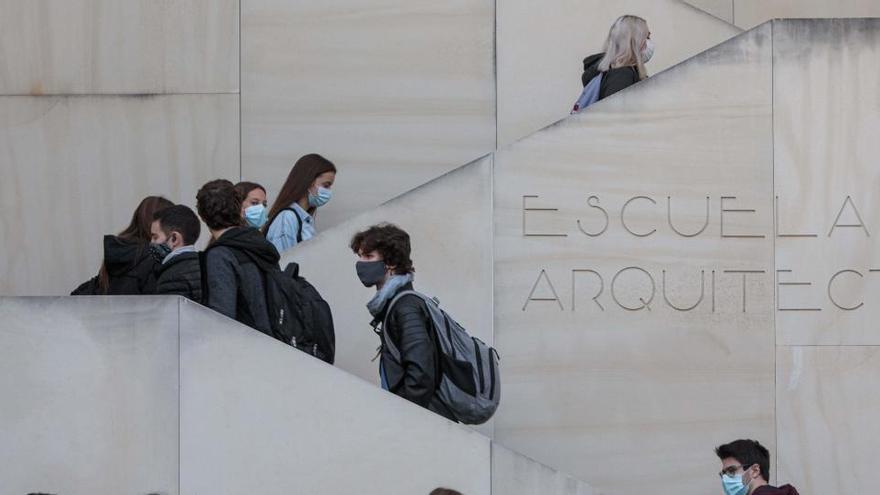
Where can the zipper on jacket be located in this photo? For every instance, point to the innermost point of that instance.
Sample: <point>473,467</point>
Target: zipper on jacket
<point>479,365</point>
<point>491,375</point>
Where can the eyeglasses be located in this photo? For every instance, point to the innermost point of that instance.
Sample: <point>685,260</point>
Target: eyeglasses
<point>730,470</point>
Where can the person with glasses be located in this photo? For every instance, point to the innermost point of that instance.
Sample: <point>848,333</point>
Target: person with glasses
<point>745,469</point>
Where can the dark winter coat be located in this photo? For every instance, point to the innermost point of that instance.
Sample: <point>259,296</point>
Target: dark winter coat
<point>234,281</point>
<point>615,79</point>
<point>417,377</point>
<point>181,275</point>
<point>130,268</point>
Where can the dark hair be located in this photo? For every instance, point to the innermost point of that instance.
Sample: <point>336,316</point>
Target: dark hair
<point>748,453</point>
<point>444,491</point>
<point>244,188</point>
<point>390,241</point>
<point>219,204</point>
<point>138,230</point>
<point>299,180</point>
<point>182,219</point>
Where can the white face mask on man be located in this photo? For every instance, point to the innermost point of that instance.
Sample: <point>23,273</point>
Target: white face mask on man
<point>648,50</point>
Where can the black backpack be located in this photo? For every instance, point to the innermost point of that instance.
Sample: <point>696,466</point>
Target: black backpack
<point>298,315</point>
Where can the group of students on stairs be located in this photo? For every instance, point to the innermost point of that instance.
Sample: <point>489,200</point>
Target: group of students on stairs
<point>427,357</point>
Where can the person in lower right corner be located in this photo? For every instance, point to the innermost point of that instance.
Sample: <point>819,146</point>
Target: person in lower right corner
<point>745,469</point>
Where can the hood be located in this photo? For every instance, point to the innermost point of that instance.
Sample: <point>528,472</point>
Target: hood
<point>121,255</point>
<point>251,242</point>
<point>592,61</point>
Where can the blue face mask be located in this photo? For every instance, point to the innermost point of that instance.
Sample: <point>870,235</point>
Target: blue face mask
<point>733,485</point>
<point>321,198</point>
<point>256,215</point>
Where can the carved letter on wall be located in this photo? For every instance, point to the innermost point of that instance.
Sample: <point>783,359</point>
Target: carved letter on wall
<point>525,209</point>
<point>672,226</point>
<point>776,213</point>
<point>831,296</point>
<point>646,304</point>
<point>590,203</point>
<point>574,290</point>
<point>623,216</point>
<point>861,223</point>
<point>543,275</point>
<point>744,273</point>
<point>781,284</point>
<point>723,211</point>
<point>689,308</point>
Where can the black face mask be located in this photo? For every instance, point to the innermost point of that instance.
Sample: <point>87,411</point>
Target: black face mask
<point>159,252</point>
<point>370,272</point>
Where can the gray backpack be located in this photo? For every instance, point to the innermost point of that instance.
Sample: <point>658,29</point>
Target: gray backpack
<point>470,385</point>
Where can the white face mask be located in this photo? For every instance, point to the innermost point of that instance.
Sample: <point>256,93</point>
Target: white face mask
<point>648,51</point>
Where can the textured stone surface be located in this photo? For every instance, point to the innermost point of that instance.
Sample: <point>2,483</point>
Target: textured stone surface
<point>827,407</point>
<point>111,46</point>
<point>395,92</point>
<point>88,388</point>
<point>515,474</point>
<point>722,9</point>
<point>75,168</point>
<point>541,47</point>
<point>826,178</point>
<point>601,391</point>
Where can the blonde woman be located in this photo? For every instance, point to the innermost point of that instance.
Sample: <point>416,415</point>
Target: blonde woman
<point>622,63</point>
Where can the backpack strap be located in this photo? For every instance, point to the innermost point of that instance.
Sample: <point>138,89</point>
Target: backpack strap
<point>387,343</point>
<point>299,230</point>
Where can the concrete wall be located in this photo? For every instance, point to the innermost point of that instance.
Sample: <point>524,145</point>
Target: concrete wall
<point>541,49</point>
<point>749,13</point>
<point>157,394</point>
<point>395,92</point>
<point>101,104</point>
<point>603,376</point>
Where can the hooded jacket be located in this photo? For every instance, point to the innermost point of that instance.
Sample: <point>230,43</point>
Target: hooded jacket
<point>233,278</point>
<point>614,80</point>
<point>130,268</point>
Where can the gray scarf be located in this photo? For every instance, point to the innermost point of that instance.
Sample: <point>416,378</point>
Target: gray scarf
<point>392,285</point>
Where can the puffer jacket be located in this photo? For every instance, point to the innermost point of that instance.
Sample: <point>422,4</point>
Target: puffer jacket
<point>130,268</point>
<point>417,376</point>
<point>181,275</point>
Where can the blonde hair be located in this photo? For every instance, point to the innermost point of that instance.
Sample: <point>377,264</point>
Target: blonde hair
<point>623,48</point>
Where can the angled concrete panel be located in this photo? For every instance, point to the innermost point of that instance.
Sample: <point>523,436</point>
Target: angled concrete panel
<point>634,258</point>
<point>516,474</point>
<point>256,414</point>
<point>74,169</point>
<point>750,13</point>
<point>88,388</point>
<point>395,92</point>
<point>541,46</point>
<point>58,47</point>
<point>827,114</point>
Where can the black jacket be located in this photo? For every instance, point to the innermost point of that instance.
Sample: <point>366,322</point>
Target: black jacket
<point>233,278</point>
<point>416,378</point>
<point>181,275</point>
<point>615,79</point>
<point>772,490</point>
<point>130,268</point>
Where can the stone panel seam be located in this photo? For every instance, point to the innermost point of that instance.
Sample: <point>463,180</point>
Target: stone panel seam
<point>240,131</point>
<point>775,229</point>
